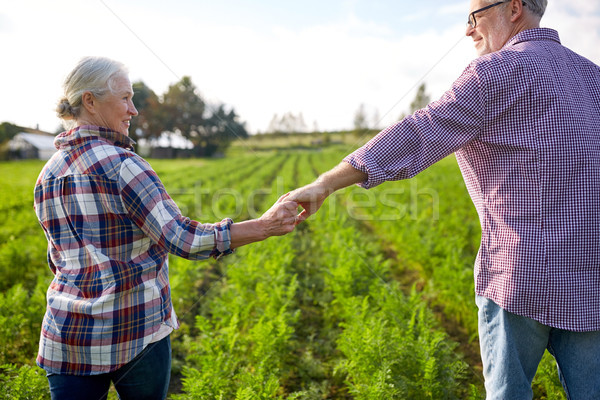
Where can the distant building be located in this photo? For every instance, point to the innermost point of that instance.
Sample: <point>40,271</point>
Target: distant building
<point>168,145</point>
<point>26,145</point>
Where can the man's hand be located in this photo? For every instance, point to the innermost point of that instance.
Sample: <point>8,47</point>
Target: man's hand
<point>310,198</point>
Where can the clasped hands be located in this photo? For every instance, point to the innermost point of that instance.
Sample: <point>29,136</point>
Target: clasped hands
<point>312,196</point>
<point>283,216</point>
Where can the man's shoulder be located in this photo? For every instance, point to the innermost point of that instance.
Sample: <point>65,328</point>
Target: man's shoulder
<point>522,47</point>
<point>524,57</point>
<point>509,61</point>
<point>497,65</point>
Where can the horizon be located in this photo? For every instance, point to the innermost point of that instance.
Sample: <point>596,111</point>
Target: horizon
<point>260,58</point>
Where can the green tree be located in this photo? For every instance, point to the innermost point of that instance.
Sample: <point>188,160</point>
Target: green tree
<point>219,130</point>
<point>184,109</point>
<point>288,123</point>
<point>421,99</point>
<point>361,124</point>
<point>150,121</point>
<point>8,131</point>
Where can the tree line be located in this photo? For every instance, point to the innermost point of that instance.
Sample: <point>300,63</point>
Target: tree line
<point>8,131</point>
<point>210,128</point>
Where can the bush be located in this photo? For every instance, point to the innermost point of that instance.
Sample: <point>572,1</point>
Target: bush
<point>23,383</point>
<point>21,314</point>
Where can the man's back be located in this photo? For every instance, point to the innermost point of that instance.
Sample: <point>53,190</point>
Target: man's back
<point>533,173</point>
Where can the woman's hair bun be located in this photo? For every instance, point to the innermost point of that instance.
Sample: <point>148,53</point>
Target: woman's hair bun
<point>64,109</point>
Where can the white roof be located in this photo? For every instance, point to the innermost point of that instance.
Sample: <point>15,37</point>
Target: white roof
<point>168,140</point>
<point>40,142</point>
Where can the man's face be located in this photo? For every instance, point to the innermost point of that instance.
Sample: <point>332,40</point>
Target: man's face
<point>493,26</point>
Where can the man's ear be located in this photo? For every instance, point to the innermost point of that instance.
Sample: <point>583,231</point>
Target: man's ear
<point>516,10</point>
<point>89,102</point>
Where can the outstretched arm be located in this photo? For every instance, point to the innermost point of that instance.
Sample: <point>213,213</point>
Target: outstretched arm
<point>312,196</point>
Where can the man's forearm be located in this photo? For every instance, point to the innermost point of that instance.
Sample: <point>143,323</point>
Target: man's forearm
<point>341,176</point>
<point>312,196</point>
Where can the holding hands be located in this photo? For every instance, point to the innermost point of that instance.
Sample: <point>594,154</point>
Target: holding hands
<point>276,221</point>
<point>309,197</point>
<point>280,218</point>
<point>312,196</point>
<point>283,216</point>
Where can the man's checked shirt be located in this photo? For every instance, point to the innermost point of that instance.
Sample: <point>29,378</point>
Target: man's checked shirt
<point>110,226</point>
<point>524,123</point>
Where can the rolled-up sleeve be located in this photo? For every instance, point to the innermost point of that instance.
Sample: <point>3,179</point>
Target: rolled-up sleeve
<point>149,206</point>
<point>408,147</point>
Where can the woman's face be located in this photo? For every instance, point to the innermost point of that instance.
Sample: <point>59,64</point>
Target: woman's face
<point>115,109</point>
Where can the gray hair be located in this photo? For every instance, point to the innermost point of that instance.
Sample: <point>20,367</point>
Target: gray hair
<point>537,7</point>
<point>91,74</point>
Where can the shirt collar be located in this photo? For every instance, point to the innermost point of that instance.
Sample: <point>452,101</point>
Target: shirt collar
<point>533,34</point>
<point>84,133</point>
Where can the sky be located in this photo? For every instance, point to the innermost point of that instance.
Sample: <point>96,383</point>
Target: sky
<point>260,57</point>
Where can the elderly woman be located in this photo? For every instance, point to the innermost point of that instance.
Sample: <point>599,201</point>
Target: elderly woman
<point>110,226</point>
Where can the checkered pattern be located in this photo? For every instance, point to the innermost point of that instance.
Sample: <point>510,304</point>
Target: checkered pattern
<point>524,123</point>
<point>110,225</point>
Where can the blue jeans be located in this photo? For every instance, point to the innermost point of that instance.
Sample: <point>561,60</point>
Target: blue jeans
<point>145,377</point>
<point>512,348</point>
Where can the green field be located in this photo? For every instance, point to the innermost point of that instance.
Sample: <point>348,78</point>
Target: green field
<point>371,298</point>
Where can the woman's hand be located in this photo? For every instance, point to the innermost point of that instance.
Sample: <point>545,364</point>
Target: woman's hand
<point>280,218</point>
<point>276,221</point>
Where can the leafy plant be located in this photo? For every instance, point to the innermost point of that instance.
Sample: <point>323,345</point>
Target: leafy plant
<point>23,383</point>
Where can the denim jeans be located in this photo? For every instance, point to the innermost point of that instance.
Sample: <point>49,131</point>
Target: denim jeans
<point>512,347</point>
<point>146,377</point>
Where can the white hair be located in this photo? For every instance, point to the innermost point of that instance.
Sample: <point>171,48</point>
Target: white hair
<point>91,74</point>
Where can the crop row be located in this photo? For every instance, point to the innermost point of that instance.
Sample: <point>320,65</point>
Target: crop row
<point>431,227</point>
<point>338,309</point>
<point>304,317</point>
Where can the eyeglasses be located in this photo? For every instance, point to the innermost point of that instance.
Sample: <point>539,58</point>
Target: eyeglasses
<point>473,22</point>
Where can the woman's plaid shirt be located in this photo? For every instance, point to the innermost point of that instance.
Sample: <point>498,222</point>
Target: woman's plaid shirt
<point>110,226</point>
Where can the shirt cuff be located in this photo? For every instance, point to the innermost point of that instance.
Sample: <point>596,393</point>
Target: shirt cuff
<point>222,239</point>
<point>361,160</point>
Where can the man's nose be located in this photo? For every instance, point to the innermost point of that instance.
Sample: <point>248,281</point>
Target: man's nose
<point>470,30</point>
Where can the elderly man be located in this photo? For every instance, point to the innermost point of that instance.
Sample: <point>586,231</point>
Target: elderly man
<point>524,122</point>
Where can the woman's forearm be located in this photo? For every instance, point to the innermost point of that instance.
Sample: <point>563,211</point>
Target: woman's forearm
<point>278,220</point>
<point>243,233</point>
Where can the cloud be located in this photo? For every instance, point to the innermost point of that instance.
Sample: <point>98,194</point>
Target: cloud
<point>6,24</point>
<point>326,72</point>
<point>578,24</point>
<point>325,69</point>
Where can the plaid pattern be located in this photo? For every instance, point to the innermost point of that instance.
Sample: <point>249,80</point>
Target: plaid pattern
<point>110,225</point>
<point>524,123</point>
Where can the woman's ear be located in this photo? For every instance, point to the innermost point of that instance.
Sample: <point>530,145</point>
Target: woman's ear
<point>89,102</point>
